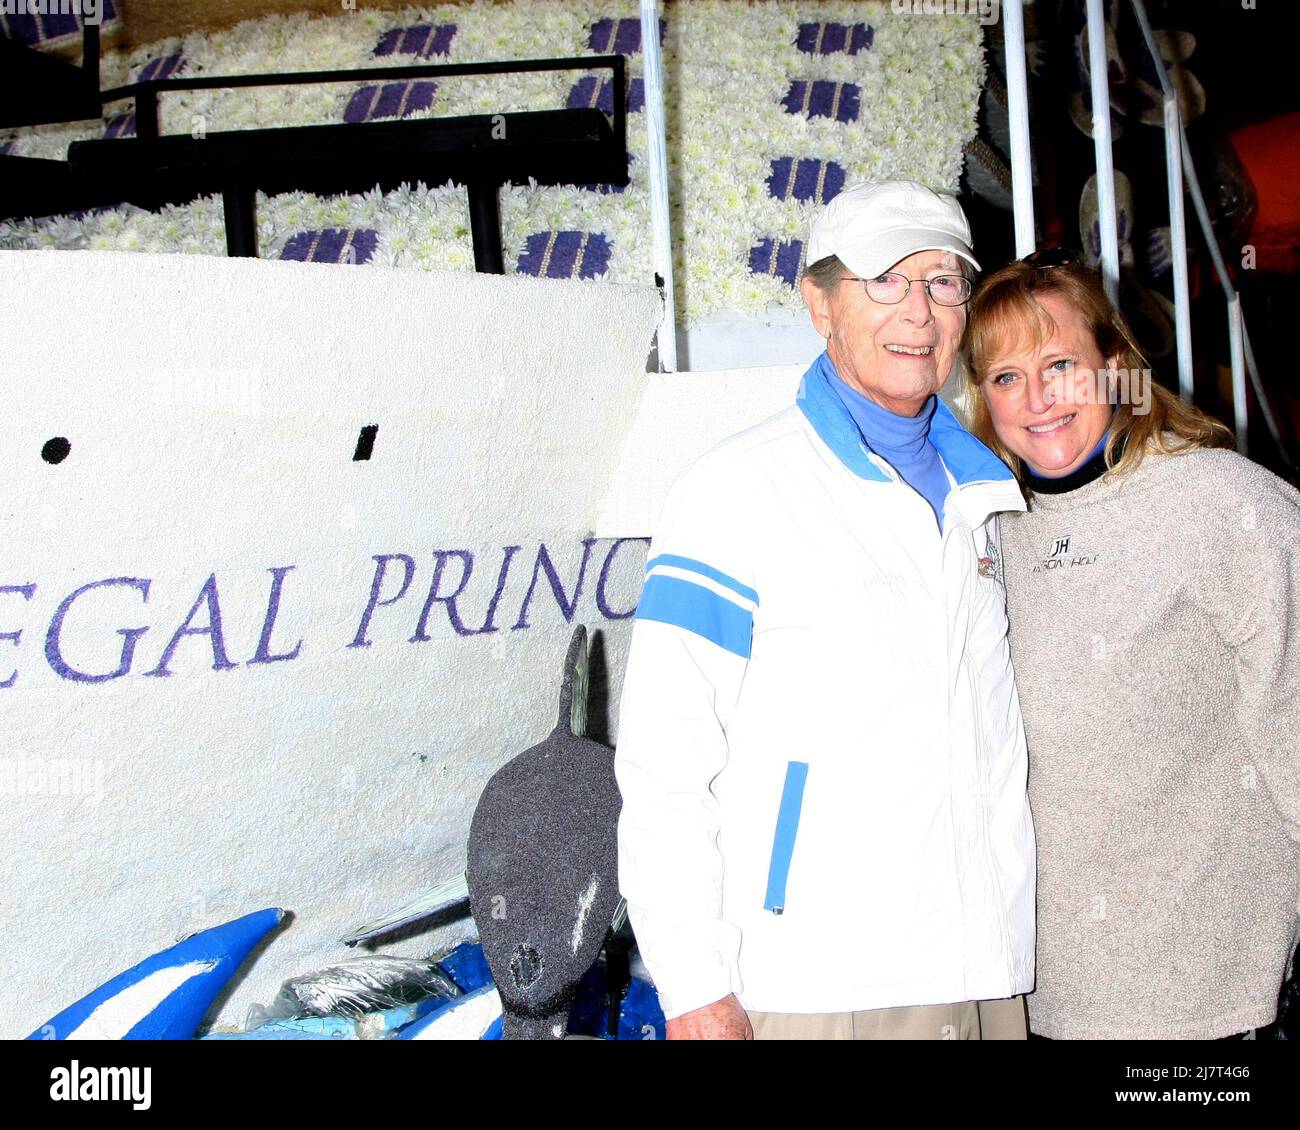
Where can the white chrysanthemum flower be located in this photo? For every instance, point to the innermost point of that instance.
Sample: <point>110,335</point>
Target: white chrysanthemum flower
<point>728,68</point>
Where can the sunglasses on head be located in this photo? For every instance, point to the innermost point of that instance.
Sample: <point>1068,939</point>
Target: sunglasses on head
<point>1051,257</point>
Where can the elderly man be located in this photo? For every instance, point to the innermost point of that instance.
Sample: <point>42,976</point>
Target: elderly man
<point>825,831</point>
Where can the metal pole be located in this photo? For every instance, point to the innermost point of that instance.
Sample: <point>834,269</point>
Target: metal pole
<point>1203,215</point>
<point>1236,342</point>
<point>1102,144</point>
<point>1236,324</point>
<point>1178,246</point>
<point>1177,212</point>
<point>1022,175</point>
<point>660,216</point>
<point>1178,158</point>
<point>1265,408</point>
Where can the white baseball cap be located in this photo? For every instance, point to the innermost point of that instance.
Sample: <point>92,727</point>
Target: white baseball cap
<point>874,225</point>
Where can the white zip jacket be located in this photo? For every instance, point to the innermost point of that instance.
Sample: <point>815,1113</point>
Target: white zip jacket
<point>821,754</point>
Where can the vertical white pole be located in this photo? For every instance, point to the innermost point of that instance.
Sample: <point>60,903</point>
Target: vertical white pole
<point>660,217</point>
<point>1022,176</point>
<point>1102,143</point>
<point>1178,246</point>
<point>1236,342</point>
<point>1252,370</point>
<point>1177,213</point>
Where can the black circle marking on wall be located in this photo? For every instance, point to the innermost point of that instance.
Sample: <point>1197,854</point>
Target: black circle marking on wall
<point>55,450</point>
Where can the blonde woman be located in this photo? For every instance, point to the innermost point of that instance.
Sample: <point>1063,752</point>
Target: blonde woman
<point>1153,595</point>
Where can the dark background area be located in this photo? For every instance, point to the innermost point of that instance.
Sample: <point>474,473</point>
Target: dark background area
<point>1247,62</point>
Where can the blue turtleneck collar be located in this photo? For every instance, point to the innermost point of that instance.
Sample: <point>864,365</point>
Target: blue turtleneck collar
<point>887,433</point>
<point>902,441</point>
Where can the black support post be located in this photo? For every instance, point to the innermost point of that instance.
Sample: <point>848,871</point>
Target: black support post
<point>485,226</point>
<point>240,206</point>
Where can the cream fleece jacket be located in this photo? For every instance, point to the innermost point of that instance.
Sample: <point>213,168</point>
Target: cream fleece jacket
<point>1155,636</point>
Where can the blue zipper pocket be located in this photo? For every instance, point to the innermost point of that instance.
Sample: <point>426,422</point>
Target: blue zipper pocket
<point>787,827</point>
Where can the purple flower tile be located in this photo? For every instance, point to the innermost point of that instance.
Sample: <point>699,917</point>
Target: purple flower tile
<point>619,37</point>
<point>424,41</point>
<point>594,93</point>
<point>121,126</point>
<point>40,31</point>
<point>835,39</point>
<point>777,257</point>
<point>565,255</point>
<point>391,100</point>
<point>333,245</point>
<point>803,178</point>
<point>6,147</point>
<point>161,68</point>
<point>838,100</point>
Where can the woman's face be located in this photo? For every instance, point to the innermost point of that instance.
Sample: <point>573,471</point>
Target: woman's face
<point>1050,405</point>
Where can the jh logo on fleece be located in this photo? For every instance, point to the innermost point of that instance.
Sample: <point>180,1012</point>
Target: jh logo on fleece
<point>1059,557</point>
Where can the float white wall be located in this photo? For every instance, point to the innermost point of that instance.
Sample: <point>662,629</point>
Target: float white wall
<point>218,694</point>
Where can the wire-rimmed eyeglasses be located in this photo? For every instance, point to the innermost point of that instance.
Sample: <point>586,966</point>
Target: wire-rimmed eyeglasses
<point>891,288</point>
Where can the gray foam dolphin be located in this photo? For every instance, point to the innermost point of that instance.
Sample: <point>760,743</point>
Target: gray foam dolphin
<point>543,864</point>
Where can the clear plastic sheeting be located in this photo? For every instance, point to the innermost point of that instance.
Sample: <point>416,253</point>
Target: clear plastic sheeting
<point>354,988</point>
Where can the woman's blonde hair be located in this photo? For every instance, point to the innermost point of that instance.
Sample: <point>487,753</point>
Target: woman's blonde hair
<point>1005,312</point>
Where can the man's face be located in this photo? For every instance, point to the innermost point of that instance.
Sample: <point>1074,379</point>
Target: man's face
<point>897,355</point>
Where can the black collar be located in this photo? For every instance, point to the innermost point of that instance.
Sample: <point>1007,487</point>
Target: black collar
<point>1093,469</point>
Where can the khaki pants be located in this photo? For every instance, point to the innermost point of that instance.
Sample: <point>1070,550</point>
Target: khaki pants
<point>969,1020</point>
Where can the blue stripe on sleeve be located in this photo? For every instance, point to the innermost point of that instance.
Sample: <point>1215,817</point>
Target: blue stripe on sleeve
<point>671,600</point>
<point>787,825</point>
<point>704,570</point>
